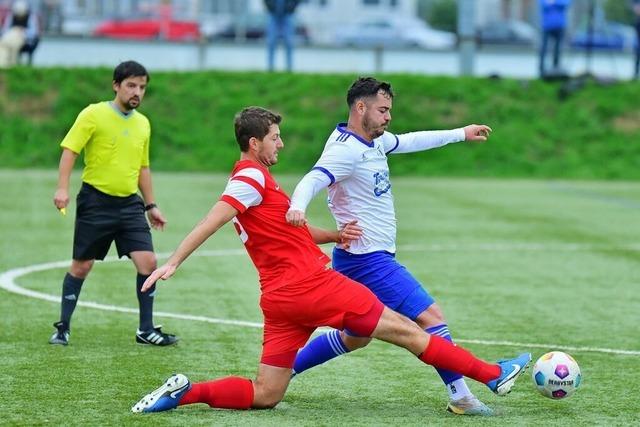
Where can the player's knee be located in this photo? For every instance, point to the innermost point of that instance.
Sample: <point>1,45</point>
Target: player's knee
<point>354,343</point>
<point>432,316</point>
<point>267,398</point>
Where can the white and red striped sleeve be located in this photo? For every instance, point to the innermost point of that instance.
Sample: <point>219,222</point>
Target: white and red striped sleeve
<point>244,189</point>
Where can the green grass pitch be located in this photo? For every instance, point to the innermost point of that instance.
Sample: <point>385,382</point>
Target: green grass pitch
<point>517,265</point>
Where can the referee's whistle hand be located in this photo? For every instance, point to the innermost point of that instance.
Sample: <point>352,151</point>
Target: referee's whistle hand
<point>61,198</point>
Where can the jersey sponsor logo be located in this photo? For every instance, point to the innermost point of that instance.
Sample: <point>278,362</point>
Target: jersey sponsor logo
<point>381,183</point>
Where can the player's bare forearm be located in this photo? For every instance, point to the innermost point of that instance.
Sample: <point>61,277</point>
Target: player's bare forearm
<point>321,236</point>
<point>351,231</point>
<point>220,214</point>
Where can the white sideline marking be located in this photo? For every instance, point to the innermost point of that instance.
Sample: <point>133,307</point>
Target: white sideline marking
<point>7,282</point>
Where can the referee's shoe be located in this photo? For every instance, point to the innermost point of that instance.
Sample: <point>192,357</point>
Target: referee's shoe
<point>155,337</point>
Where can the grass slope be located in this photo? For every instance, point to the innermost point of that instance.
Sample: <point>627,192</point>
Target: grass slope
<point>588,135</point>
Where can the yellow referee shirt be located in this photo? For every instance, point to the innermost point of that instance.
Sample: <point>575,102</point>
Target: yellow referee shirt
<point>115,147</point>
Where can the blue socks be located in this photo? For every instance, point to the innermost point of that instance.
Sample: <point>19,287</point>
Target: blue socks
<point>329,346</point>
<point>319,350</point>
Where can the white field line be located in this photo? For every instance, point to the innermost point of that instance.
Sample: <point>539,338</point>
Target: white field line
<point>7,282</point>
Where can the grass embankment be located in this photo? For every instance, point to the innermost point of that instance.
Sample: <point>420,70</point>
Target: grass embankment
<point>594,133</point>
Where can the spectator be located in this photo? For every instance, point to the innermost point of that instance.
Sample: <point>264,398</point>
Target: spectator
<point>636,12</point>
<point>20,33</point>
<point>553,15</point>
<point>281,25</point>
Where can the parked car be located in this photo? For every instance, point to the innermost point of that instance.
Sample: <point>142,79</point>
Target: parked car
<point>254,27</point>
<point>609,35</point>
<point>509,32</point>
<point>394,33</point>
<point>149,28</point>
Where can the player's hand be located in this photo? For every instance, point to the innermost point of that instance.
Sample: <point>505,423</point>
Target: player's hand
<point>476,132</point>
<point>163,273</point>
<point>351,231</point>
<point>296,218</point>
<point>61,198</point>
<point>156,219</point>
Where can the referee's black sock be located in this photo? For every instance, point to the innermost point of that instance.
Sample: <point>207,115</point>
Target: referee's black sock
<point>145,303</point>
<point>70,293</point>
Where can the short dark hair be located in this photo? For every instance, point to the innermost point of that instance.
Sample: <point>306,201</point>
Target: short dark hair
<point>129,69</point>
<point>253,122</point>
<point>366,87</point>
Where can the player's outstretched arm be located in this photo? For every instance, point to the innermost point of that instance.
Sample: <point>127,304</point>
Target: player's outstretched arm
<point>476,132</point>
<point>220,214</point>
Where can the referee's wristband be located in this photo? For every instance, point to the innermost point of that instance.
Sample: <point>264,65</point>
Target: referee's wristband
<point>150,206</point>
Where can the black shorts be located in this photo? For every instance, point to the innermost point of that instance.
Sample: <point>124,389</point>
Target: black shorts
<point>101,219</point>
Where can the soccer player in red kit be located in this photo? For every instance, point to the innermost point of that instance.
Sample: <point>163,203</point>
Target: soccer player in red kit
<point>298,291</point>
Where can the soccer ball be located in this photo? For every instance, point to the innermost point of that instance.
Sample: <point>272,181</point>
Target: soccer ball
<point>556,375</point>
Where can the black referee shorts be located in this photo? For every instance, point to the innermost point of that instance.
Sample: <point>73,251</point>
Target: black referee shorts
<point>101,219</point>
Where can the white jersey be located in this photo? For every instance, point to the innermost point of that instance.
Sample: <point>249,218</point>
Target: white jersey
<point>359,187</point>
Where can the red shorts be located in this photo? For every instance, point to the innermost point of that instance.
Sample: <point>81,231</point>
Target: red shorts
<point>327,298</point>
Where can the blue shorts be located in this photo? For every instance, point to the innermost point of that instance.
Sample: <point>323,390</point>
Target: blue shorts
<point>389,280</point>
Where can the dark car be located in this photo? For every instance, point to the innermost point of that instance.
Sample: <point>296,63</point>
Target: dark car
<point>607,36</point>
<point>254,27</point>
<point>149,28</point>
<point>510,32</point>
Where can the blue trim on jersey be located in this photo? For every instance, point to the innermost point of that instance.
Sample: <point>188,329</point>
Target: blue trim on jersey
<point>395,146</point>
<point>384,276</point>
<point>343,137</point>
<point>342,127</point>
<point>326,172</point>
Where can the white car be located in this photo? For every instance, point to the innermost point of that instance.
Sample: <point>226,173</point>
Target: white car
<point>390,33</point>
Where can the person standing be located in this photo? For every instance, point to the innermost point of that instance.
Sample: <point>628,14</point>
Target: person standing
<point>354,167</point>
<point>298,293</point>
<point>20,32</point>
<point>281,25</point>
<point>553,18</point>
<point>636,11</point>
<point>115,138</point>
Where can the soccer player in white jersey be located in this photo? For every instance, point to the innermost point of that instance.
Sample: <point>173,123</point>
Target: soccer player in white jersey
<point>354,167</point>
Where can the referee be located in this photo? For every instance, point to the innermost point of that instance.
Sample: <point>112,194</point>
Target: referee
<point>115,138</point>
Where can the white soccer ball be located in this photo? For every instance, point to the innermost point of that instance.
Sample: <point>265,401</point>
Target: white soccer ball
<point>556,375</point>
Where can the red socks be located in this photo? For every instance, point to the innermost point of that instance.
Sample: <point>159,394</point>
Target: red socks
<point>227,393</point>
<point>442,354</point>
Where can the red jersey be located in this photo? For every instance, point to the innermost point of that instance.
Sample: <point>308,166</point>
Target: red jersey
<point>282,253</point>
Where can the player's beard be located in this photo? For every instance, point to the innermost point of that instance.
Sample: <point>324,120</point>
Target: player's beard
<point>372,130</point>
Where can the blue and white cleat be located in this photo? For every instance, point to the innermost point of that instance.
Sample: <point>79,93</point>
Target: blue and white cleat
<point>511,370</point>
<point>165,397</point>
